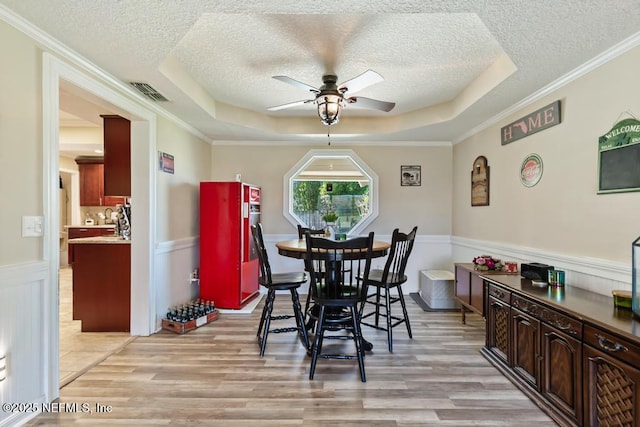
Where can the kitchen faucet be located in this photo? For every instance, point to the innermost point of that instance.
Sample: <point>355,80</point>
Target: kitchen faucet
<point>108,219</point>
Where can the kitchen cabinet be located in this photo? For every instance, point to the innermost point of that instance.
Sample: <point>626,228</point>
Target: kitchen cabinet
<point>117,156</point>
<point>102,285</point>
<point>91,171</point>
<point>568,349</point>
<point>79,232</point>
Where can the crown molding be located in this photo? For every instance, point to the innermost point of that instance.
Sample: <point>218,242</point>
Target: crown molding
<point>54,46</point>
<point>606,56</point>
<point>335,143</point>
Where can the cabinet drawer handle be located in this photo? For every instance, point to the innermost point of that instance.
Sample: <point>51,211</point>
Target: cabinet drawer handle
<point>610,345</point>
<point>562,326</point>
<point>496,293</point>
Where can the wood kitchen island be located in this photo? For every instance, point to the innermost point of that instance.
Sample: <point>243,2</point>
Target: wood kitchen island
<point>102,283</point>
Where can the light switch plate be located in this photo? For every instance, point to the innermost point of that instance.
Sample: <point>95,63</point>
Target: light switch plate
<point>32,226</point>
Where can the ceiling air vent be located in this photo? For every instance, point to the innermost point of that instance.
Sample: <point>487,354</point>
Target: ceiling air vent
<point>149,92</point>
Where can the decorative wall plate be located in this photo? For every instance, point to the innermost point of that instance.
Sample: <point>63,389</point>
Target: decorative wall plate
<point>531,170</point>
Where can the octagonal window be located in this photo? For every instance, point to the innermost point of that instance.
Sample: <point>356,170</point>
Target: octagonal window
<point>331,187</point>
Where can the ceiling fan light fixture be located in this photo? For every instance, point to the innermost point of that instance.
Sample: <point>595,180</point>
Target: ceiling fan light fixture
<point>329,107</point>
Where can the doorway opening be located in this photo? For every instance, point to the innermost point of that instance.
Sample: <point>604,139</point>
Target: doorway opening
<point>57,74</point>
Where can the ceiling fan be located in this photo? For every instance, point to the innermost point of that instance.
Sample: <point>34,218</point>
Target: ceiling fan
<point>330,98</point>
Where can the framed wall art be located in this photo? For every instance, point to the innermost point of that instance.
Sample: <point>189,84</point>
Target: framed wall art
<point>410,175</point>
<point>480,182</point>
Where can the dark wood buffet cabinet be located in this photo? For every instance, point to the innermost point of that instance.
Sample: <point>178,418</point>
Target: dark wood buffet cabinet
<point>571,351</point>
<point>469,288</point>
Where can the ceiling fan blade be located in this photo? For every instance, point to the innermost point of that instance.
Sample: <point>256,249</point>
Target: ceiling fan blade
<point>374,104</point>
<point>296,83</point>
<point>357,83</point>
<point>290,105</point>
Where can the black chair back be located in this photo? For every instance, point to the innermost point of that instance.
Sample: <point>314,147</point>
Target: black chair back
<point>339,269</point>
<point>401,247</point>
<point>314,232</point>
<point>265,267</point>
<point>339,273</point>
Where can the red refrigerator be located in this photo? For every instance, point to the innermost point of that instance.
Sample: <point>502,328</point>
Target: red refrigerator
<point>229,266</point>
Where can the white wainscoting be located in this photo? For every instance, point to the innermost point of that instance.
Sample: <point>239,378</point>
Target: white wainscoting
<point>23,332</point>
<point>175,260</point>
<point>596,275</point>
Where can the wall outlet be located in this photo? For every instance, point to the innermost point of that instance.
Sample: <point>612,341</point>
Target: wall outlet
<point>194,276</point>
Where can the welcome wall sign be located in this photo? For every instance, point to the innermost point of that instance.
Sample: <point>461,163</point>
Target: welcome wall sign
<point>539,120</point>
<point>619,158</point>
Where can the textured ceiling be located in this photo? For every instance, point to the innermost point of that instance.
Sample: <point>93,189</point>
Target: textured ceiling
<point>449,65</point>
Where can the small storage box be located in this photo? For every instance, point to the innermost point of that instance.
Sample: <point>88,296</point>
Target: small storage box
<point>437,289</point>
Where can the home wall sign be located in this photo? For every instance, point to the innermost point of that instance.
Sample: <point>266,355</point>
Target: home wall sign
<point>480,182</point>
<point>539,120</point>
<point>619,158</point>
<point>531,170</point>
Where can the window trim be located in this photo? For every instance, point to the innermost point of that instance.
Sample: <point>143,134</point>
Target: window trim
<point>287,207</point>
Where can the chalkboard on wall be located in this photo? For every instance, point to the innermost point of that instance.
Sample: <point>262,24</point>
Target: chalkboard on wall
<point>619,158</point>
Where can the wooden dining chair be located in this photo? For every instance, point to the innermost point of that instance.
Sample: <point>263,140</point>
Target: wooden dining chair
<point>391,277</point>
<point>277,282</point>
<point>339,271</point>
<point>316,232</point>
<point>313,231</point>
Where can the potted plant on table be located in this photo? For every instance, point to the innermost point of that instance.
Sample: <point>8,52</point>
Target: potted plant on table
<point>329,218</point>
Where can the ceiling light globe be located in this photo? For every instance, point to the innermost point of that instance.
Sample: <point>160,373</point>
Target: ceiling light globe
<point>329,107</point>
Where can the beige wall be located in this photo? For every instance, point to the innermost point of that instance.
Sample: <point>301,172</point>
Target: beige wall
<point>178,193</point>
<point>21,179</point>
<point>67,163</point>
<point>82,136</point>
<point>562,213</point>
<point>427,206</point>
<point>27,280</point>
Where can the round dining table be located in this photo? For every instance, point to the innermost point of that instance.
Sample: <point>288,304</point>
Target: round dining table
<point>297,248</point>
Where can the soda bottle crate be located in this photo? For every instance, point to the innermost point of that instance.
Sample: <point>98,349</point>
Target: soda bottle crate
<point>184,327</point>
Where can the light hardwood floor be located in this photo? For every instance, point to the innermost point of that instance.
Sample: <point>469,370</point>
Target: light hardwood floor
<point>214,376</point>
<point>79,351</point>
